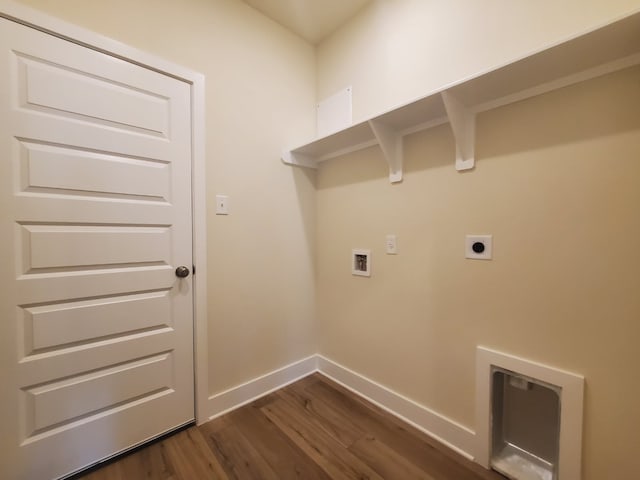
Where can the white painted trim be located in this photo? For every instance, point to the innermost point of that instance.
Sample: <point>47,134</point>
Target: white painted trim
<point>567,81</point>
<point>391,144</point>
<point>424,126</point>
<point>448,432</point>
<point>199,213</point>
<point>571,408</point>
<point>347,150</point>
<point>48,24</point>
<point>463,124</point>
<point>82,36</point>
<point>236,397</point>
<point>298,159</point>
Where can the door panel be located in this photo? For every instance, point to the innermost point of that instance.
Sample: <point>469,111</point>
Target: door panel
<point>61,91</point>
<point>71,247</point>
<point>96,331</point>
<point>61,324</point>
<point>56,403</point>
<point>43,170</point>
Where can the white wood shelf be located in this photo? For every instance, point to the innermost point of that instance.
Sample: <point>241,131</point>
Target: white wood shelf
<point>604,50</point>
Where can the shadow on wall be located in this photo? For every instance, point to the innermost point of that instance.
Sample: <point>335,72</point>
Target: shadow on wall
<point>574,114</point>
<point>305,183</point>
<point>433,148</point>
<point>578,113</point>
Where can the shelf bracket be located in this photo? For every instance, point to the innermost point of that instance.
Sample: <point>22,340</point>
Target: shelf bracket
<point>390,142</point>
<point>463,124</point>
<point>298,159</point>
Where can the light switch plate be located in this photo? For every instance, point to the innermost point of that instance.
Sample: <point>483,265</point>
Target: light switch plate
<point>222,205</point>
<point>479,247</point>
<point>391,245</point>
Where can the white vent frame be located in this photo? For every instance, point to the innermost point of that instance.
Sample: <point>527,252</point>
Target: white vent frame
<point>571,407</point>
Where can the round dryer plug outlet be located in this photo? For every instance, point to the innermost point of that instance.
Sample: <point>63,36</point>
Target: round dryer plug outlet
<point>479,247</point>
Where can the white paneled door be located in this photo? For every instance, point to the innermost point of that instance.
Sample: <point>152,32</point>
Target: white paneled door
<point>96,328</point>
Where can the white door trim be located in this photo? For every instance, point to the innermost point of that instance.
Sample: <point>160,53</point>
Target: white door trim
<point>40,21</point>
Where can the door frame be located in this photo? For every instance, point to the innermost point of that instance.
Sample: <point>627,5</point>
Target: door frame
<point>40,21</point>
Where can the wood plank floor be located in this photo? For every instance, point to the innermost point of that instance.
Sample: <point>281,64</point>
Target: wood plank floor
<point>312,429</point>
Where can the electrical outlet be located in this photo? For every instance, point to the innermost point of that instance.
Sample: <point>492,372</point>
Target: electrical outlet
<point>479,247</point>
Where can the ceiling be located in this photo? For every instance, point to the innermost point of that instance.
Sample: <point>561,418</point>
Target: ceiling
<point>313,20</point>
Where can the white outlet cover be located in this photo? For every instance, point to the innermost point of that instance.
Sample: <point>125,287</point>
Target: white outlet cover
<point>485,240</point>
<point>223,205</point>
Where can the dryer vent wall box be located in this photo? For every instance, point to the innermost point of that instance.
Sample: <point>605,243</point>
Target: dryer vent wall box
<point>525,427</point>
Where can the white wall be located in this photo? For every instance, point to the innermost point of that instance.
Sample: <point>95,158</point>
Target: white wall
<point>395,51</point>
<point>556,183</point>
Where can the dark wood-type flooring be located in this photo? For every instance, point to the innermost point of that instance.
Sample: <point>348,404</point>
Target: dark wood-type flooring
<point>312,429</point>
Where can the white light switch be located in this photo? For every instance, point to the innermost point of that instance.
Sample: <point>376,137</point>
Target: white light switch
<point>391,245</point>
<point>222,205</point>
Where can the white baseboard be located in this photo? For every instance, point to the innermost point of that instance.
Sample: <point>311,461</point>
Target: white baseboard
<point>235,397</point>
<point>448,432</point>
<point>453,435</point>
